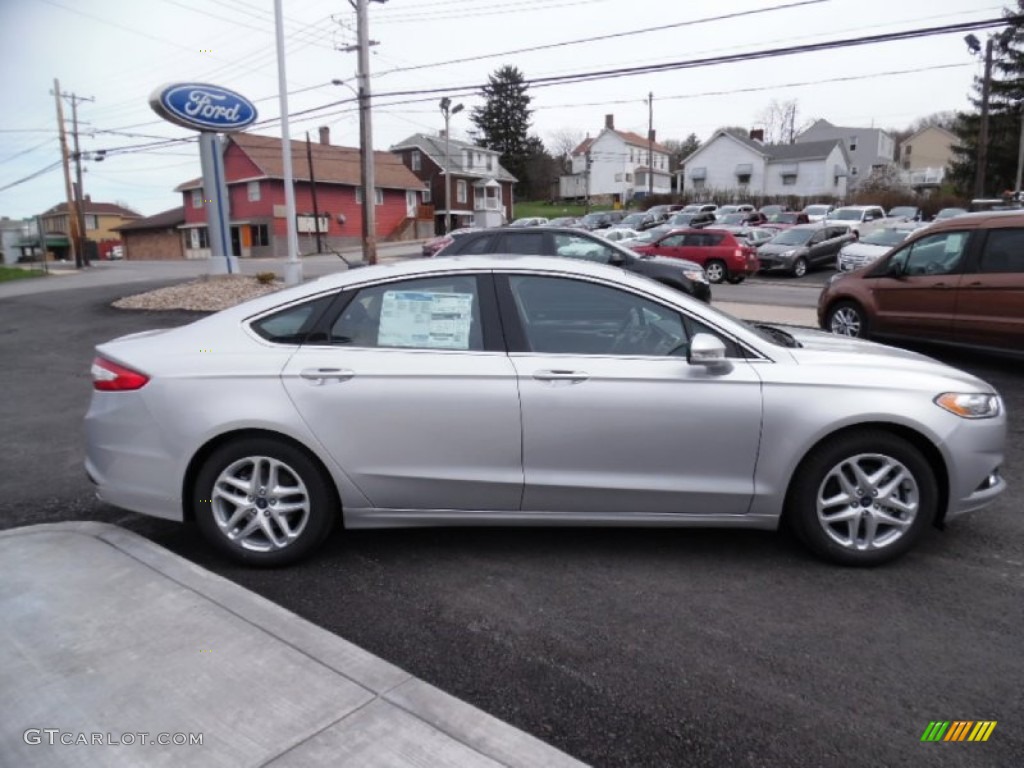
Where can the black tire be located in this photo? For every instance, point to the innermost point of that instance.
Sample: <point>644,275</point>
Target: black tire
<point>716,271</point>
<point>305,484</point>
<point>799,267</point>
<point>736,279</point>
<point>817,476</point>
<point>847,318</point>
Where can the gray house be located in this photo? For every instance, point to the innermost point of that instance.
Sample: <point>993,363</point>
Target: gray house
<point>867,148</point>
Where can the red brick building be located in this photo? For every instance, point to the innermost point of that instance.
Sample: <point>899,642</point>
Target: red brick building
<point>254,169</point>
<point>154,237</point>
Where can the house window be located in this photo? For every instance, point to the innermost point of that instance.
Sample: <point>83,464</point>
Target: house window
<point>415,161</point>
<point>853,170</point>
<point>853,143</point>
<point>253,191</point>
<point>906,150</point>
<point>698,184</point>
<point>629,178</point>
<point>91,222</point>
<point>197,198</point>
<point>460,191</point>
<point>198,238</point>
<point>743,178</point>
<point>379,196</point>
<point>788,179</point>
<point>618,177</point>
<point>260,234</point>
<point>426,195</point>
<point>490,162</point>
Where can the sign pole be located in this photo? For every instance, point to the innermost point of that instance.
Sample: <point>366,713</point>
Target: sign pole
<point>215,200</point>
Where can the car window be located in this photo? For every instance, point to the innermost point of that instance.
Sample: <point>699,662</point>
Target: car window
<point>475,245</point>
<point>427,313</point>
<point>672,241</point>
<point>937,254</point>
<point>527,243</point>
<point>290,326</point>
<point>581,247</point>
<point>576,317</point>
<point>1004,251</point>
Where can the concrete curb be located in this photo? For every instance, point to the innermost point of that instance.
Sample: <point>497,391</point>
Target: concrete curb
<point>377,715</point>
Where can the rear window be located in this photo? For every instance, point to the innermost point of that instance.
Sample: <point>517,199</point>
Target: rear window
<point>472,245</point>
<point>1004,251</point>
<point>292,325</point>
<point>525,243</point>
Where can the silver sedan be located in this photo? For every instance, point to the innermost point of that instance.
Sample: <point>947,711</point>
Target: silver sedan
<point>530,391</point>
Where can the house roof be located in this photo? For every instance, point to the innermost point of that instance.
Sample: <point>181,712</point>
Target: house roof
<point>163,220</point>
<point>434,147</point>
<point>808,150</point>
<point>331,164</point>
<point>851,129</point>
<point>97,209</point>
<point>952,136</point>
<point>630,138</point>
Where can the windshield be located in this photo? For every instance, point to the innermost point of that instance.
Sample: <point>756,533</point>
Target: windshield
<point>783,218</point>
<point>948,213</point>
<point>731,218</point>
<point>903,210</point>
<point>885,237</point>
<point>816,210</point>
<point>846,214</point>
<point>594,218</point>
<point>728,209</point>
<point>681,219</point>
<point>793,237</point>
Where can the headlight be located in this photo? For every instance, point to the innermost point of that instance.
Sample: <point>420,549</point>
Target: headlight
<point>970,405</point>
<point>787,254</point>
<point>696,274</point>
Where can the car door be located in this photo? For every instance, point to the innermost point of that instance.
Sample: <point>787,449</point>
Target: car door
<point>670,245</point>
<point>990,300</point>
<point>816,248</point>
<point>828,250</point>
<point>412,394</point>
<point>612,422</point>
<point>920,300</point>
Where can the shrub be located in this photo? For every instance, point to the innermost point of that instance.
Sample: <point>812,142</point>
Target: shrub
<point>265,278</point>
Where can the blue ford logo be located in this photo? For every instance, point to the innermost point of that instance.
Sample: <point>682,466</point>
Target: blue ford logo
<point>203,107</point>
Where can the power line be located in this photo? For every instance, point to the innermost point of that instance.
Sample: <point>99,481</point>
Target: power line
<point>579,41</point>
<point>31,176</point>
<point>26,151</point>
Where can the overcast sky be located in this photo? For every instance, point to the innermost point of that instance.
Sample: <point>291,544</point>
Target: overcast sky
<point>118,51</point>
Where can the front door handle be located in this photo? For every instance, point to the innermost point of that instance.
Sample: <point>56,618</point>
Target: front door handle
<point>321,375</point>
<point>560,375</point>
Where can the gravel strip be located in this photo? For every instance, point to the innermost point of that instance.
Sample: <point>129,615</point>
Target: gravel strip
<point>207,294</point>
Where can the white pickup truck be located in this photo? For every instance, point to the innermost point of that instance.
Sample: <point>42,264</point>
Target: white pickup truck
<point>861,219</point>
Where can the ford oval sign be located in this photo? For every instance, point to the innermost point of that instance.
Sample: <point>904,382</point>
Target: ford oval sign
<point>203,107</point>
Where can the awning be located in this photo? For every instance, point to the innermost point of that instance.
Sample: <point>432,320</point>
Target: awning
<point>52,241</point>
<point>698,173</point>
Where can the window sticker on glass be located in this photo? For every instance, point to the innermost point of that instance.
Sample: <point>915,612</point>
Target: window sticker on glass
<point>430,320</point>
<point>954,243</point>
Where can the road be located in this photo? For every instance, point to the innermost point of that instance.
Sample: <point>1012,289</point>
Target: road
<point>622,647</point>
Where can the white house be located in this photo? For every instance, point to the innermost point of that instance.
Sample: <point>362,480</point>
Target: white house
<point>747,167</point>
<point>616,164</point>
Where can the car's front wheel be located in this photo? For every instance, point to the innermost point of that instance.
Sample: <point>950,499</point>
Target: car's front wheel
<point>847,319</point>
<point>800,267</point>
<point>716,271</point>
<point>263,501</point>
<point>863,498</point>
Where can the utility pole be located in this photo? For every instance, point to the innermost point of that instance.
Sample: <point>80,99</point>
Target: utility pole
<point>650,144</point>
<point>986,85</point>
<point>72,217</point>
<point>83,234</point>
<point>312,186</point>
<point>1020,159</point>
<point>293,267</point>
<point>586,200</point>
<point>366,133</point>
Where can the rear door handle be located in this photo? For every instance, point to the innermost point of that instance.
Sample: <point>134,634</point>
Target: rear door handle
<point>560,375</point>
<point>321,375</point>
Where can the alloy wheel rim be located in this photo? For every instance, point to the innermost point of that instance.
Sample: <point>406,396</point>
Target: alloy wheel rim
<point>800,268</point>
<point>714,272</point>
<point>846,322</point>
<point>260,504</point>
<point>867,502</point>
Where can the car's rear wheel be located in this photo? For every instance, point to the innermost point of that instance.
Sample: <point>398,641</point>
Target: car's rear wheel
<point>736,279</point>
<point>716,271</point>
<point>864,498</point>
<point>263,501</point>
<point>847,319</point>
<point>800,267</point>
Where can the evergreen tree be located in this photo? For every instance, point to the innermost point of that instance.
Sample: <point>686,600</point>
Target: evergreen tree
<point>1006,98</point>
<point>504,121</point>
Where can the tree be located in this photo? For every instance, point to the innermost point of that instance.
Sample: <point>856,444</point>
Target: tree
<point>1006,97</point>
<point>781,121</point>
<point>562,142</point>
<point>504,120</point>
<point>680,150</point>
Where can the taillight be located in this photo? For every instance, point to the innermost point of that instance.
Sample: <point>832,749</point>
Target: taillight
<point>108,376</point>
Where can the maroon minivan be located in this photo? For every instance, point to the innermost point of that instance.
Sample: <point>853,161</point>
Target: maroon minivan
<point>958,281</point>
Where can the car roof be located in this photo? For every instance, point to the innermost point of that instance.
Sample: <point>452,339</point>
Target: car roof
<point>980,220</point>
<point>857,207</point>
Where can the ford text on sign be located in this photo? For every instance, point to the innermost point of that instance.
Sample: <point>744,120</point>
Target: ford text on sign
<point>203,107</point>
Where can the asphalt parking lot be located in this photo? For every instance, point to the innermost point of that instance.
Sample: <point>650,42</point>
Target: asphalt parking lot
<point>621,647</point>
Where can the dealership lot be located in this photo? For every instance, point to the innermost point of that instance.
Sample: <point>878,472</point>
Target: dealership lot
<point>621,647</point>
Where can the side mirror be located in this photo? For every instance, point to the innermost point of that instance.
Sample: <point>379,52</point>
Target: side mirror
<point>707,350</point>
<point>617,258</point>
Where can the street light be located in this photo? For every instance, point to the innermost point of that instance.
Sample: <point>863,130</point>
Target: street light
<point>448,110</point>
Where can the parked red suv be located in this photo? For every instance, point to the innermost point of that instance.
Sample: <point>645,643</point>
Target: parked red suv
<point>721,253</point>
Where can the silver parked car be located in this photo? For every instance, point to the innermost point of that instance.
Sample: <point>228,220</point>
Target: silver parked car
<point>530,391</point>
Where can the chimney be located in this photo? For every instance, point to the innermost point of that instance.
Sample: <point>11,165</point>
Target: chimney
<point>650,136</point>
<point>609,122</point>
<point>325,135</point>
<point>757,134</point>
<point>88,198</point>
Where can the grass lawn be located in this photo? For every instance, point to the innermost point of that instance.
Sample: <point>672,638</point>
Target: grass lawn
<point>540,208</point>
<point>15,273</point>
